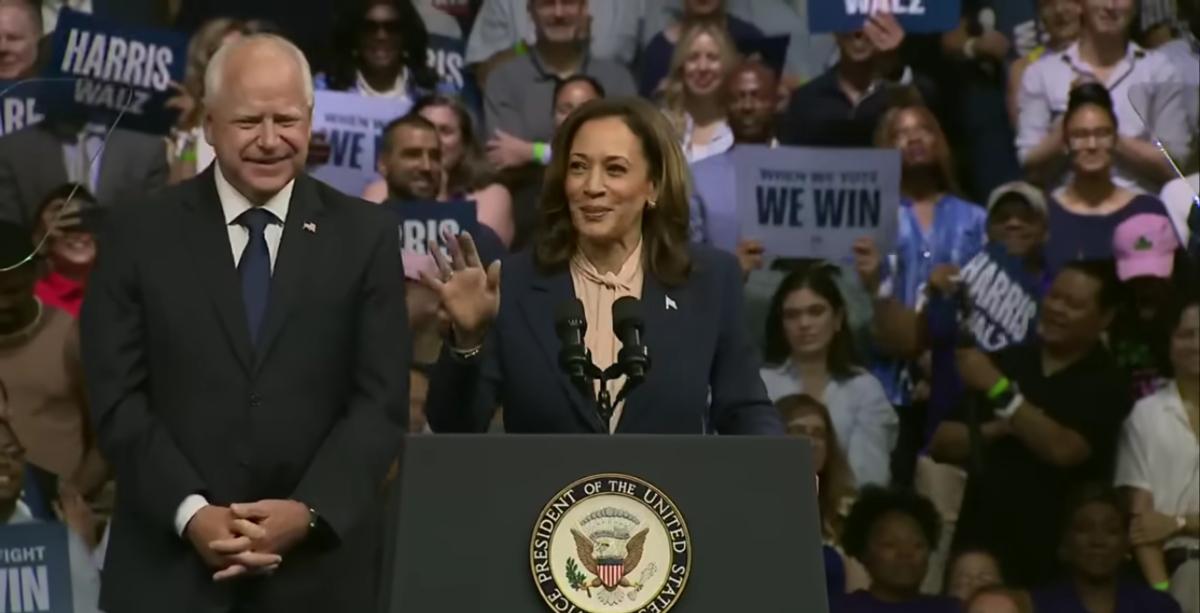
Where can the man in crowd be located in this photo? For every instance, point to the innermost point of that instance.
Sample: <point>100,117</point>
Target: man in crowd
<point>411,159</point>
<point>20,29</point>
<point>1047,419</point>
<point>519,93</point>
<point>245,356</point>
<point>842,107</point>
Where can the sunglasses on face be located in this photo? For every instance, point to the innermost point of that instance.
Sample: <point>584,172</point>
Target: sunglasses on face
<point>387,26</point>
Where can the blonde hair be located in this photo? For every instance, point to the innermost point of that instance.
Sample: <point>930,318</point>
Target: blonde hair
<point>674,95</point>
<point>215,72</point>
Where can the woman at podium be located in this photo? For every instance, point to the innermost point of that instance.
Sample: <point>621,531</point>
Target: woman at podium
<point>614,224</point>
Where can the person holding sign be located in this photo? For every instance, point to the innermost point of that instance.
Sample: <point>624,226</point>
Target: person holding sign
<point>246,357</point>
<point>615,214</point>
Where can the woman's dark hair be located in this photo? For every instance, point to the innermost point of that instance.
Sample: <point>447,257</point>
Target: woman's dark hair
<point>664,226</point>
<point>474,172</point>
<point>820,277</point>
<point>1090,94</point>
<point>579,78</point>
<point>414,40</point>
<point>874,503</point>
<point>836,478</point>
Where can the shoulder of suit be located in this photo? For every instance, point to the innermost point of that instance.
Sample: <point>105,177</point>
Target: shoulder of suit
<point>357,208</point>
<point>708,261</point>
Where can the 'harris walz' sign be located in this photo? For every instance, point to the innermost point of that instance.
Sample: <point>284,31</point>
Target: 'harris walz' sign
<point>35,571</point>
<point>116,68</point>
<point>913,15</point>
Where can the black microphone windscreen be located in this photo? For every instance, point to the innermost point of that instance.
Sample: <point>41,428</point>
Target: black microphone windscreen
<point>627,311</point>
<point>570,314</point>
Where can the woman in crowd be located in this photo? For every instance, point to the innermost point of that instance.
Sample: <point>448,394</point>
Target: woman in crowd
<point>466,174</point>
<point>1142,84</point>
<point>614,224</point>
<point>655,59</point>
<point>1060,20</point>
<point>1156,465</point>
<point>892,532</point>
<point>692,97</point>
<point>1094,546</point>
<point>971,570</point>
<point>70,247</point>
<point>809,350</point>
<point>1085,213</point>
<point>804,416</point>
<point>380,52</point>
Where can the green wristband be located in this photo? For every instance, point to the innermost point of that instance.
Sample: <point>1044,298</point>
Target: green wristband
<point>1162,586</point>
<point>999,388</point>
<point>541,153</point>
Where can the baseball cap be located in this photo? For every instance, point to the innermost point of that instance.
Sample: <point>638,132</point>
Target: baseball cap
<point>1025,191</point>
<point>1144,246</point>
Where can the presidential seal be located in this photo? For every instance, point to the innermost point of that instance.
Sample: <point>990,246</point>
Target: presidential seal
<point>610,544</point>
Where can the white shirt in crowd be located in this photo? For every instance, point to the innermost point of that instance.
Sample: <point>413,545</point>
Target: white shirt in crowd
<point>1143,83</point>
<point>233,204</point>
<point>864,421</point>
<point>1158,453</point>
<point>1179,198</point>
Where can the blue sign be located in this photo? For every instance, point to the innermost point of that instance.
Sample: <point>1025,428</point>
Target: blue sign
<point>1004,299</point>
<point>815,203</point>
<point>19,106</point>
<point>35,570</point>
<point>447,57</point>
<point>916,16</point>
<point>116,69</point>
<point>422,221</point>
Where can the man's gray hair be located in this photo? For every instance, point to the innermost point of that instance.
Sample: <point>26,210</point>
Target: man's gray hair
<point>216,66</point>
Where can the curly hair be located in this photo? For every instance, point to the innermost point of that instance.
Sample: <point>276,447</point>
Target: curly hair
<point>664,226</point>
<point>413,42</point>
<point>876,502</point>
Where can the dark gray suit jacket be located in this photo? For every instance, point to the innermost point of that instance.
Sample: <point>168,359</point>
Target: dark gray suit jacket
<point>31,165</point>
<point>184,403</point>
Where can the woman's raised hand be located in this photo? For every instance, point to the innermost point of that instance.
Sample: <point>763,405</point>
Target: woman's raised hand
<point>468,294</point>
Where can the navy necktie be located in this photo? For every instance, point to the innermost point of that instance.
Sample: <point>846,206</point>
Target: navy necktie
<point>255,268</point>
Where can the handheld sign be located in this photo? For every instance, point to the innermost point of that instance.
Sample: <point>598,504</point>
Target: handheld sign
<point>422,221</point>
<point>19,106</point>
<point>35,571</point>
<point>1004,299</point>
<point>116,67</point>
<point>814,203</point>
<point>915,16</point>
<point>353,125</point>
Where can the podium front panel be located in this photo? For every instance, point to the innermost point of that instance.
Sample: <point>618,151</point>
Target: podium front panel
<point>463,514</point>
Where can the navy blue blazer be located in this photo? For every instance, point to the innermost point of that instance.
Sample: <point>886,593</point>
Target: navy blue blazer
<point>703,376</point>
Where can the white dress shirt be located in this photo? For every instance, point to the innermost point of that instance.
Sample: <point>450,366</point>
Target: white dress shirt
<point>1158,453</point>
<point>233,204</point>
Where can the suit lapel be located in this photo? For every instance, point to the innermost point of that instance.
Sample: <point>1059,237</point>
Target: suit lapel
<point>108,160</point>
<point>539,306</point>
<point>208,237</point>
<point>293,264</point>
<point>666,335</point>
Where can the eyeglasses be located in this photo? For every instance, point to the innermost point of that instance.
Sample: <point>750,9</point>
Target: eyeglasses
<point>387,26</point>
<point>1098,136</point>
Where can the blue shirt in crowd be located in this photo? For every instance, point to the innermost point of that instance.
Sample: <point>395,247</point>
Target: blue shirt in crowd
<point>956,235</point>
<point>1089,237</point>
<point>1131,598</point>
<point>714,202</point>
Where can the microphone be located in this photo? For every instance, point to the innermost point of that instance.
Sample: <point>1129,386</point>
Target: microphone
<point>571,325</point>
<point>634,357</point>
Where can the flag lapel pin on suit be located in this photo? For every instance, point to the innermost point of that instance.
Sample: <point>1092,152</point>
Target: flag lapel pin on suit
<point>671,306</point>
<point>310,226</point>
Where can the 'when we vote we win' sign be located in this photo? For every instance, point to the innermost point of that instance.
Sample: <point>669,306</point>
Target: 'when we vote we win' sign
<point>814,203</point>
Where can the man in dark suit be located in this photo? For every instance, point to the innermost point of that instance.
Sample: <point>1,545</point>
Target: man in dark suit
<point>33,161</point>
<point>246,357</point>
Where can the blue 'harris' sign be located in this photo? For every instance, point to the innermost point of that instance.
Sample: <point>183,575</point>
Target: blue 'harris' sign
<point>913,15</point>
<point>116,68</point>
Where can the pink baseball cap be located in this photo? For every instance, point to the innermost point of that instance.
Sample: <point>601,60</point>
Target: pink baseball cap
<point>1144,246</point>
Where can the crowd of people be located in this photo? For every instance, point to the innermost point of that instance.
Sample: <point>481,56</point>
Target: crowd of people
<point>1004,407</point>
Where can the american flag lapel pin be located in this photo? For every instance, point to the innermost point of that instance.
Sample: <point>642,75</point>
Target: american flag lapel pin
<point>671,306</point>
<point>310,226</point>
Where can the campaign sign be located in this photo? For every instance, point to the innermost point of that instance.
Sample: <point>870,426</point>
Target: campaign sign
<point>916,16</point>
<point>35,571</point>
<point>802,202</point>
<point>1004,299</point>
<point>353,126</point>
<point>19,107</point>
<point>116,69</point>
<point>421,221</point>
<point>447,57</point>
